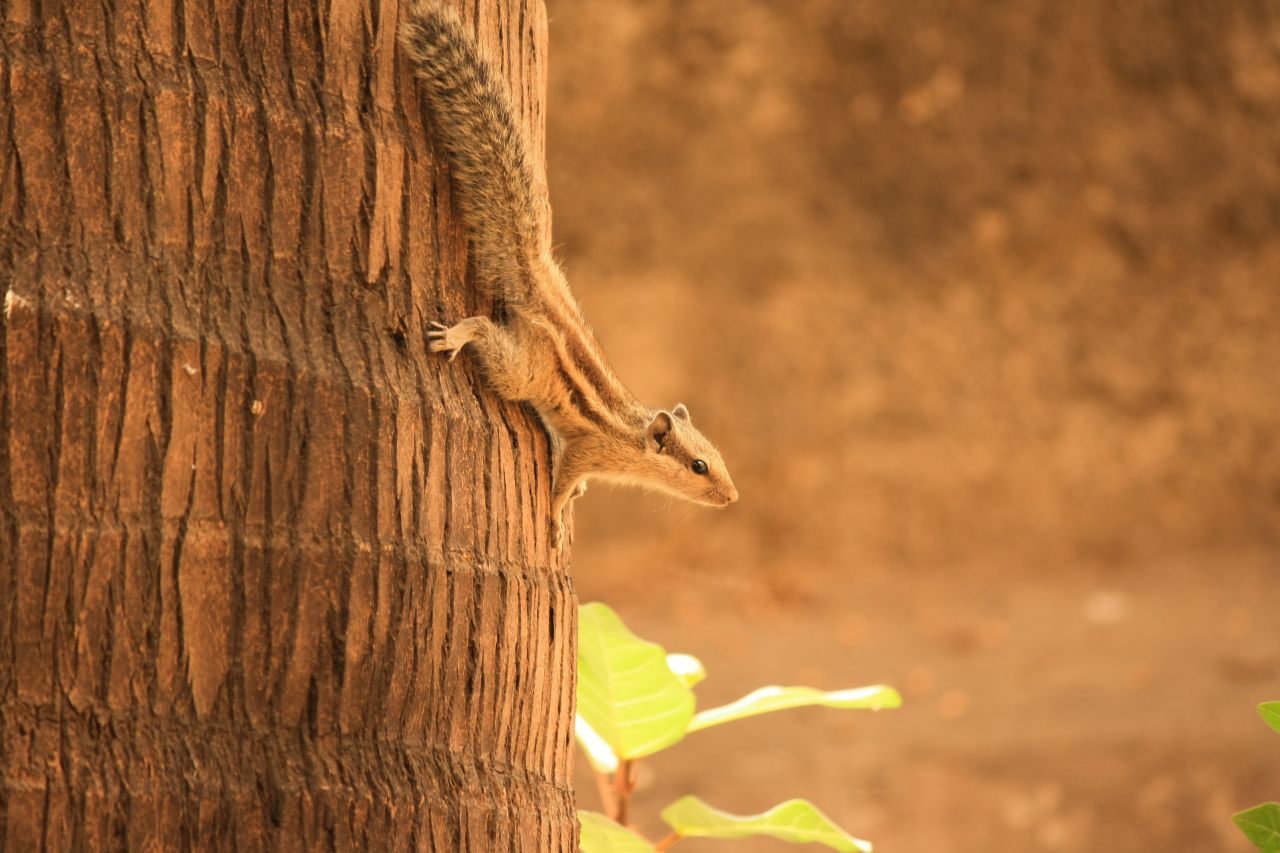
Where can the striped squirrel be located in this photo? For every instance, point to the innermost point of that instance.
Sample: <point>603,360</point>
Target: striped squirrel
<point>541,351</point>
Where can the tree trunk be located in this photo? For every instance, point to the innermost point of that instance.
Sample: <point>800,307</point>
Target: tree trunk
<point>271,575</point>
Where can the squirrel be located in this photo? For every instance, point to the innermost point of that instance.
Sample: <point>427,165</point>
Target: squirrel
<point>541,352</point>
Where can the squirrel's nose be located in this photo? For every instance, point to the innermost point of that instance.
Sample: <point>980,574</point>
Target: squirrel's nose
<point>731,495</point>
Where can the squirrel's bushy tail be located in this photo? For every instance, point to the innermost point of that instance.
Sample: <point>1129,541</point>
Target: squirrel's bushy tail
<point>502,199</point>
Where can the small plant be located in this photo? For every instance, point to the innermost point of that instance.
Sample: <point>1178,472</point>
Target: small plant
<point>1261,824</point>
<point>634,700</point>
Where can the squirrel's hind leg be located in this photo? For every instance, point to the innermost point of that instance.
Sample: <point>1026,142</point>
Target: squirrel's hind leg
<point>494,345</point>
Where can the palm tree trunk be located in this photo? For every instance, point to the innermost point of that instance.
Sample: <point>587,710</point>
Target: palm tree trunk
<point>271,575</point>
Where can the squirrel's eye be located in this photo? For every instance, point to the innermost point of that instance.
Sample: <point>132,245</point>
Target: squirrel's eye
<point>699,467</point>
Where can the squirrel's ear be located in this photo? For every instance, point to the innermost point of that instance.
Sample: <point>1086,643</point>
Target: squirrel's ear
<point>658,429</point>
<point>681,412</point>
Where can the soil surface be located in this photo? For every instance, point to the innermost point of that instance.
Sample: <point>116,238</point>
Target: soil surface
<point>982,304</point>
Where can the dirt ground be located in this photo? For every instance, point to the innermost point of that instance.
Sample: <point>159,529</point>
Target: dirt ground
<point>982,303</point>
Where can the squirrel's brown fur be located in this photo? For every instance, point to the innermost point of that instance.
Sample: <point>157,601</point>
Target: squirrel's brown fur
<point>543,352</point>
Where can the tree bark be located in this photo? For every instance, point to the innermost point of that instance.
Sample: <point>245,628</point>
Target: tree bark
<point>271,575</point>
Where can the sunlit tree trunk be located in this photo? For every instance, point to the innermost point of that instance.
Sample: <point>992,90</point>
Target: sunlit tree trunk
<point>271,575</point>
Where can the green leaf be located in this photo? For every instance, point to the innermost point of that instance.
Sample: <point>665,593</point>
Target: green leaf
<point>598,752</point>
<point>1270,712</point>
<point>768,699</point>
<point>626,692</point>
<point>687,668</point>
<point>1261,825</point>
<point>797,821</point>
<point>601,835</point>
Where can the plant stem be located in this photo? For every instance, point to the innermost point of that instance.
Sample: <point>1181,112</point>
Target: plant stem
<point>668,841</point>
<point>623,783</point>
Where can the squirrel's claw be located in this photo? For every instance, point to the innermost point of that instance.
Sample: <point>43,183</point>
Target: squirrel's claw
<point>442,338</point>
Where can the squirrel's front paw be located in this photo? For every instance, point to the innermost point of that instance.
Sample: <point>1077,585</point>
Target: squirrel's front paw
<point>448,339</point>
<point>557,534</point>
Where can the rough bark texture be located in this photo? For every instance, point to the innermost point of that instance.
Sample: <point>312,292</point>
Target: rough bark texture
<point>271,576</point>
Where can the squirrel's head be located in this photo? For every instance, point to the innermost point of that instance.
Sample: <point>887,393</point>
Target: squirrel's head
<point>683,462</point>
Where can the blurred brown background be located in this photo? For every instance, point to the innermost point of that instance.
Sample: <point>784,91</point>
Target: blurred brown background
<point>982,303</point>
